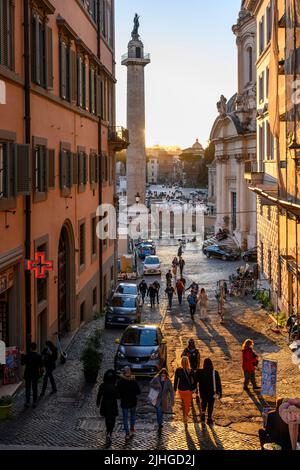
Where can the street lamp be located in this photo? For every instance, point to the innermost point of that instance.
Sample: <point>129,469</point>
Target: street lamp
<point>137,198</point>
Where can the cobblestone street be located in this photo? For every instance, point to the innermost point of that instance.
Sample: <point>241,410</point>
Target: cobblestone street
<point>70,418</point>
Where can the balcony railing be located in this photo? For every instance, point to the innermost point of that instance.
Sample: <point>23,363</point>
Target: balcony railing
<point>130,56</point>
<point>118,138</point>
<point>252,172</point>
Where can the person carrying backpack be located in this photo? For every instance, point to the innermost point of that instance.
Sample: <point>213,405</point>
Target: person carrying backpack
<point>49,357</point>
<point>192,301</point>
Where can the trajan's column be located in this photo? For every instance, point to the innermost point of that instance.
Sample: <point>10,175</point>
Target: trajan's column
<point>135,61</point>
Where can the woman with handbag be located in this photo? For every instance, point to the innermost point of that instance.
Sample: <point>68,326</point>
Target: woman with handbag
<point>164,402</point>
<point>210,388</point>
<point>185,383</point>
<point>249,362</point>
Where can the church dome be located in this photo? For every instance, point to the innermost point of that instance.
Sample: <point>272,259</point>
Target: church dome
<point>197,145</point>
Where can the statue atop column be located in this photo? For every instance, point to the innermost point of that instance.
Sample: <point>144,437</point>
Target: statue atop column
<point>222,106</point>
<point>136,25</point>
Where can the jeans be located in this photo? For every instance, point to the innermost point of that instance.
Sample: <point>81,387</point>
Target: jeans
<point>193,310</point>
<point>110,422</point>
<point>143,294</point>
<point>31,383</point>
<point>49,375</point>
<point>159,415</point>
<point>170,298</point>
<point>209,404</point>
<point>125,412</point>
<point>249,376</point>
<point>179,297</point>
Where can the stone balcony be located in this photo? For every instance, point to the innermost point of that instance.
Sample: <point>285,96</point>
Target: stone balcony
<point>118,138</point>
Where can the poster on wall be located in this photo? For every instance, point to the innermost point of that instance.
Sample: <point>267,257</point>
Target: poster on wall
<point>11,368</point>
<point>269,378</point>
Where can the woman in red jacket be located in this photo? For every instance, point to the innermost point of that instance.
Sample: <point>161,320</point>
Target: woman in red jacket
<point>250,361</point>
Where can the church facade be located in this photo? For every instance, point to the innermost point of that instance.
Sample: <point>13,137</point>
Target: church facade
<point>234,136</point>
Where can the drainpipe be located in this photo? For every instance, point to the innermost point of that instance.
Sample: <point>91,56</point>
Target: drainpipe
<point>27,122</point>
<point>100,159</point>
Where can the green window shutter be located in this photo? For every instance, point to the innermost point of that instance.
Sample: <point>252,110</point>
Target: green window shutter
<point>51,168</point>
<point>5,33</point>
<point>79,81</point>
<point>49,57</point>
<point>80,168</point>
<point>41,170</point>
<point>35,39</point>
<point>69,169</point>
<point>73,78</point>
<point>92,168</point>
<point>62,169</point>
<point>63,69</point>
<point>23,170</point>
<point>45,170</point>
<point>9,170</point>
<point>85,169</point>
<point>74,168</point>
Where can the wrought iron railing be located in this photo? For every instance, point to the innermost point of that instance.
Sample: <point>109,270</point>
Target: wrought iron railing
<point>118,134</point>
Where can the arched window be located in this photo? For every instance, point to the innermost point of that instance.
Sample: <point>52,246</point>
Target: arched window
<point>138,53</point>
<point>250,62</point>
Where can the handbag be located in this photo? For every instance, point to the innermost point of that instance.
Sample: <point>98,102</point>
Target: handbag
<point>216,395</point>
<point>193,386</point>
<point>153,396</point>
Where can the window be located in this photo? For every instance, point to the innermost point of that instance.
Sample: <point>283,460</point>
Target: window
<point>81,82</point>
<point>40,169</point>
<point>82,244</point>
<point>7,33</point>
<point>3,190</point>
<point>82,170</point>
<point>250,61</point>
<point>103,18</point>
<point>112,273</point>
<point>93,237</point>
<point>92,91</point>
<point>94,169</point>
<point>262,35</point>
<point>269,23</point>
<point>261,87</point>
<point>270,143</point>
<point>15,170</point>
<point>267,82</point>
<point>64,61</point>
<point>66,169</point>
<point>94,297</point>
<point>42,53</point>
<point>261,145</point>
<point>261,257</point>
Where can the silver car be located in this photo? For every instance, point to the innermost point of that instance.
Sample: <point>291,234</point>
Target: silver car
<point>143,349</point>
<point>123,310</point>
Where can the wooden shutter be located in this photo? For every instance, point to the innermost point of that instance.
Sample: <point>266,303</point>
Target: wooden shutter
<point>92,168</point>
<point>74,168</point>
<point>69,167</point>
<point>92,91</point>
<point>4,31</point>
<point>23,170</point>
<point>73,76</point>
<point>62,169</point>
<point>80,168</point>
<point>9,170</point>
<point>98,96</point>
<point>35,38</point>
<point>49,57</point>
<point>63,69</point>
<point>42,170</point>
<point>51,168</point>
<point>96,163</point>
<point>79,81</point>
<point>85,169</point>
<point>84,100</point>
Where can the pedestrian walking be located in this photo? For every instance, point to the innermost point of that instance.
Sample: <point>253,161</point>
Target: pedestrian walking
<point>210,388</point>
<point>179,290</point>
<point>180,250</point>
<point>249,362</point>
<point>169,277</point>
<point>165,399</point>
<point>49,358</point>
<point>193,355</point>
<point>185,383</point>
<point>170,291</point>
<point>192,301</point>
<point>157,287</point>
<point>33,371</point>
<point>193,287</point>
<point>175,266</point>
<point>203,303</point>
<point>107,401</point>
<point>181,264</point>
<point>128,390</point>
<point>152,295</point>
<point>143,289</point>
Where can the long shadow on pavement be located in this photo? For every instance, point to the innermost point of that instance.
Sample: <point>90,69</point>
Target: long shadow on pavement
<point>213,335</point>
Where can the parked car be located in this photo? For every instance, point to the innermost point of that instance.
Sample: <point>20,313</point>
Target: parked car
<point>152,265</point>
<point>127,289</point>
<point>143,349</point>
<point>223,253</point>
<point>250,255</point>
<point>123,310</point>
<point>145,249</point>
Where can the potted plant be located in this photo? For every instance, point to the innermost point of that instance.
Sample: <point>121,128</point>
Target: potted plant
<point>6,403</point>
<point>91,359</point>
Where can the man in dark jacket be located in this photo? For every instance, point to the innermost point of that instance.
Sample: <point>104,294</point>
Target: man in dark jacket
<point>276,430</point>
<point>33,371</point>
<point>181,265</point>
<point>107,400</point>
<point>143,289</point>
<point>157,287</point>
<point>152,295</point>
<point>49,357</point>
<point>127,390</point>
<point>210,388</point>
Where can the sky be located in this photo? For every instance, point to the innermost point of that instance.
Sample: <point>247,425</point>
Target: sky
<point>193,62</point>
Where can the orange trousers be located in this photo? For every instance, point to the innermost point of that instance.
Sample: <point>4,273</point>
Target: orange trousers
<point>186,397</point>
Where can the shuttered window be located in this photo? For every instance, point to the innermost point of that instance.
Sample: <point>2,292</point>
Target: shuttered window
<point>93,169</point>
<point>23,169</point>
<point>98,95</point>
<point>73,68</point>
<point>92,91</point>
<point>66,169</point>
<point>51,169</point>
<point>7,33</point>
<point>79,81</point>
<point>42,53</point>
<point>40,169</point>
<point>64,66</point>
<point>75,168</point>
<point>82,165</point>
<point>82,244</point>
<point>15,170</point>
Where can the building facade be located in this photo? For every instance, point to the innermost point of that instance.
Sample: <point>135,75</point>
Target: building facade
<point>192,159</point>
<point>234,136</point>
<point>152,170</point>
<point>57,163</point>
